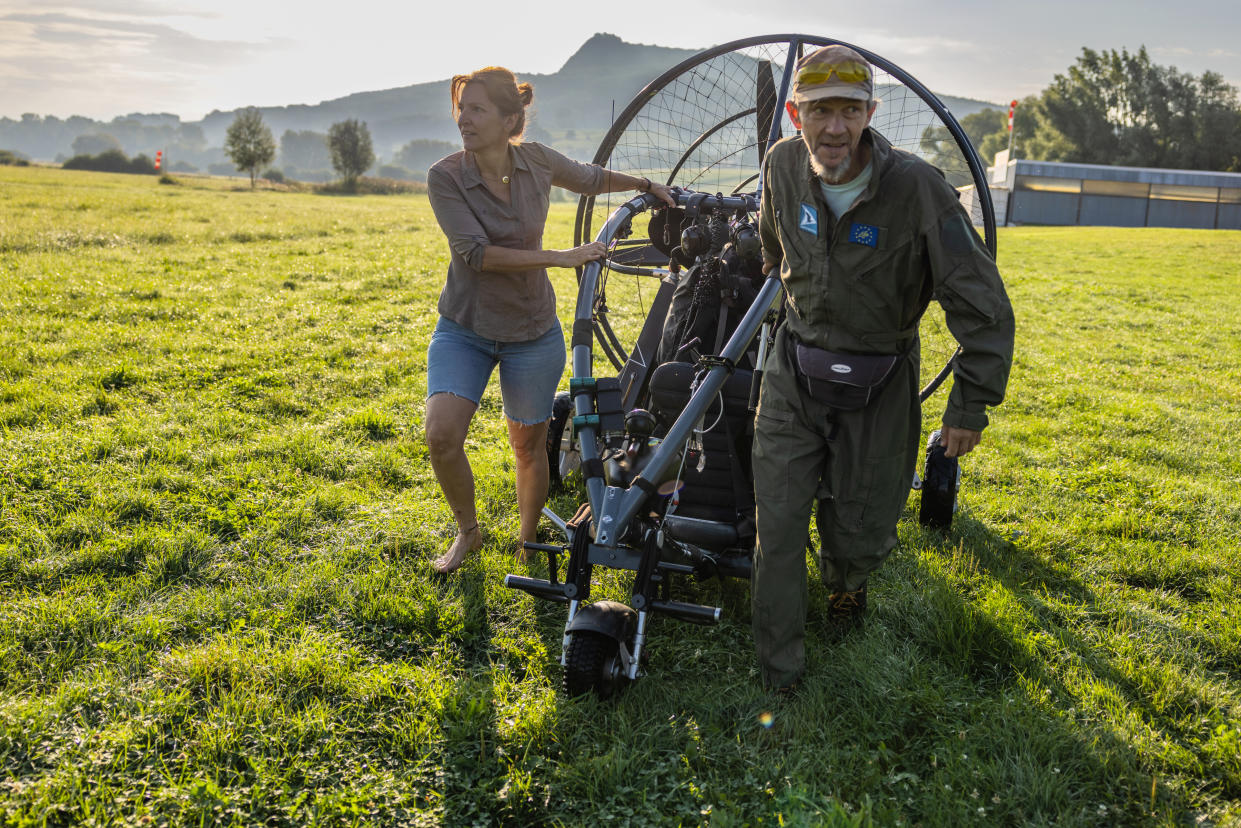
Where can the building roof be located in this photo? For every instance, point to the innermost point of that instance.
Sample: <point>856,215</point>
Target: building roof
<point>1106,172</point>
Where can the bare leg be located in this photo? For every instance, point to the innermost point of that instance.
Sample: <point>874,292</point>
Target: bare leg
<point>529,444</point>
<point>448,421</point>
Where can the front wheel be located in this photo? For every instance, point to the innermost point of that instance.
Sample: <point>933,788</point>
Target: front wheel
<point>592,662</point>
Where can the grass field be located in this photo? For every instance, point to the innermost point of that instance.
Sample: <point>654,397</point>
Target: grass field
<point>216,513</point>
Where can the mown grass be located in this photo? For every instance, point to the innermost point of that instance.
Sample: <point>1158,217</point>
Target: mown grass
<point>216,515</point>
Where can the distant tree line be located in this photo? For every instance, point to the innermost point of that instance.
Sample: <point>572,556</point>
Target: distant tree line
<point>44,137</point>
<point>1115,108</point>
<point>306,155</point>
<point>112,160</point>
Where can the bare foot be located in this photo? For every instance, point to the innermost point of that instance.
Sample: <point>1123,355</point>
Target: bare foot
<point>524,555</point>
<point>467,541</point>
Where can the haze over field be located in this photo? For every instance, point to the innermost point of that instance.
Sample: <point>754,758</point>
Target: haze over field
<point>573,107</point>
<point>103,58</point>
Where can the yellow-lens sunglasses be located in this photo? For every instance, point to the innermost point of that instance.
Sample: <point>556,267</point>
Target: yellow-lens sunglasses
<point>816,74</point>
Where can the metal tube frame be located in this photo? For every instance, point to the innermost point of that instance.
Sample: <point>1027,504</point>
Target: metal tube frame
<point>613,507</point>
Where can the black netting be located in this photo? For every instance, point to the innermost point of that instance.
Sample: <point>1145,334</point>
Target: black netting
<point>701,127</point>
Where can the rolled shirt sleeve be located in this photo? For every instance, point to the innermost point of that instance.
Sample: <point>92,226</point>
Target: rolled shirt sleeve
<point>465,233</point>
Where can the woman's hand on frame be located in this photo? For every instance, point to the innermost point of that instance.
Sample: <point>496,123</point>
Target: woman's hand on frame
<point>582,254</point>
<point>663,192</point>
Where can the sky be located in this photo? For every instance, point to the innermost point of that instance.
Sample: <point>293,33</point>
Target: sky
<point>104,58</point>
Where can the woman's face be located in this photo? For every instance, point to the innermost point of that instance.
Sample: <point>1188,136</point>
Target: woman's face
<point>480,122</point>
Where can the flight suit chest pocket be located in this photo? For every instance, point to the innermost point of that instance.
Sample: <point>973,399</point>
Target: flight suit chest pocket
<point>877,265</point>
<point>801,236</point>
<point>861,248</point>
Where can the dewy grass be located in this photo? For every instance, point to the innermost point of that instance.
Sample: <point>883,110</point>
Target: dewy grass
<point>216,515</point>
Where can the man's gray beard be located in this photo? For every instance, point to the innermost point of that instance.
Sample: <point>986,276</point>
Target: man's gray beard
<point>832,175</point>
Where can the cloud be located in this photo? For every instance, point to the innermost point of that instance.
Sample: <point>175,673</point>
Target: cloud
<point>89,59</point>
<point>122,8</point>
<point>130,37</point>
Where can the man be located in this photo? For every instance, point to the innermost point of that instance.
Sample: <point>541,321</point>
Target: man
<point>863,234</point>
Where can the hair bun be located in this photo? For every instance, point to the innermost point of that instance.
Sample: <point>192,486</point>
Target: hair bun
<point>525,92</point>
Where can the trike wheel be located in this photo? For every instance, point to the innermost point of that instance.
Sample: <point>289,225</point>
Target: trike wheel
<point>592,662</point>
<point>562,460</point>
<point>939,487</point>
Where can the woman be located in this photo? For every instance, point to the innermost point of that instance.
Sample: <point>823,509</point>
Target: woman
<point>497,306</point>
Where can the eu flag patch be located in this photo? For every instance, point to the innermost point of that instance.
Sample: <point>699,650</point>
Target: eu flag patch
<point>867,234</point>
<point>809,221</point>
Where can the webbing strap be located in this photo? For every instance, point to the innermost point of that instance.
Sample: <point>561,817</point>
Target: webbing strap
<point>583,332</point>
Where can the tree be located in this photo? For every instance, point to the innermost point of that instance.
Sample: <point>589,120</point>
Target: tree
<point>304,150</point>
<point>421,153</point>
<point>112,160</point>
<point>1032,137</point>
<point>941,149</point>
<point>1114,108</point>
<point>1216,126</point>
<point>248,142</point>
<point>1119,108</point>
<point>350,144</point>
<point>94,143</point>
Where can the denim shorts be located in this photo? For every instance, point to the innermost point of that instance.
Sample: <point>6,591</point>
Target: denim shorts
<point>460,362</point>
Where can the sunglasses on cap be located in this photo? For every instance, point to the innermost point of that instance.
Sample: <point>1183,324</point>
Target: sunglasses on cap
<point>817,74</point>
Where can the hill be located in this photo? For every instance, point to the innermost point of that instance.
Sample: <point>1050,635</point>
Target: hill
<point>572,108</point>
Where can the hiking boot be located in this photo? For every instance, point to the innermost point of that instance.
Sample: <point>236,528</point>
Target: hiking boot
<point>847,609</point>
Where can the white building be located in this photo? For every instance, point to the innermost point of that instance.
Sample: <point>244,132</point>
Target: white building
<point>1052,192</point>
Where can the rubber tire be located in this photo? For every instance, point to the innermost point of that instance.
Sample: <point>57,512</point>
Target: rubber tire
<point>562,410</point>
<point>939,488</point>
<point>590,663</point>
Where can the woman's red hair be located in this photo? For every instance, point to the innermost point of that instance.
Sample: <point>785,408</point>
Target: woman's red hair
<point>503,90</point>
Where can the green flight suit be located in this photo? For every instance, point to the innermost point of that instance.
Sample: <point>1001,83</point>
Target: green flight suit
<point>858,284</point>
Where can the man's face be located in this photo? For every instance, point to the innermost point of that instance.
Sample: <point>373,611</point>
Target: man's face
<point>832,129</point>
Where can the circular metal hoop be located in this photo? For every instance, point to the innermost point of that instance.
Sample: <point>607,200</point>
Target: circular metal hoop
<point>705,123</point>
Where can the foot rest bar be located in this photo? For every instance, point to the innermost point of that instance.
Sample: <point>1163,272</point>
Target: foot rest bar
<point>537,587</point>
<point>688,612</point>
<point>544,547</point>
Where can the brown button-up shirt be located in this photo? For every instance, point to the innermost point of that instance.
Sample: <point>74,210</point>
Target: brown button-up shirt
<point>507,307</point>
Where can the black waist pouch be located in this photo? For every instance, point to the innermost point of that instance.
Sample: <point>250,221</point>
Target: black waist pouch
<point>843,381</point>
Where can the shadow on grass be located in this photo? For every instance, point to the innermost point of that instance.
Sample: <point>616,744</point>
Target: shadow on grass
<point>479,779</point>
<point>969,695</point>
<point>1010,619</point>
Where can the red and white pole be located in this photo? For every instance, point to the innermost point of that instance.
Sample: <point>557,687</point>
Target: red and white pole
<point>1012,107</point>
